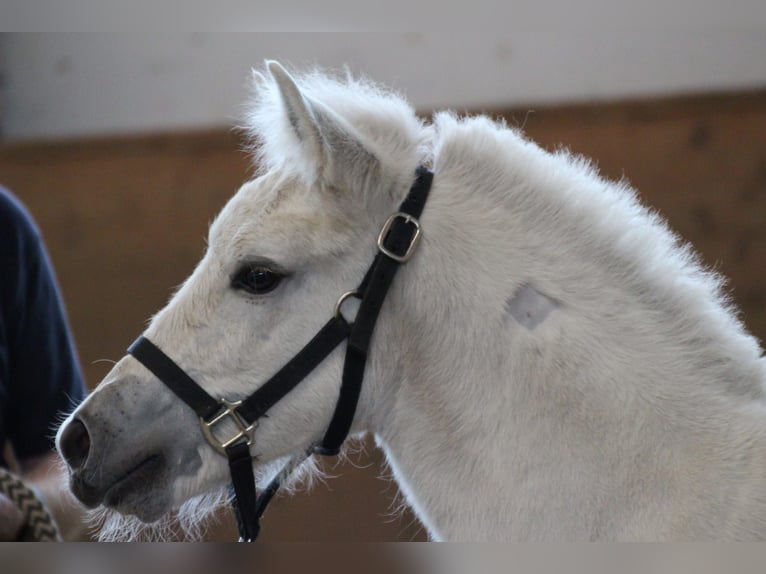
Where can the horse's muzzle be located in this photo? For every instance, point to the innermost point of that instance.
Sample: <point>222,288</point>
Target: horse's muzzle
<point>88,494</point>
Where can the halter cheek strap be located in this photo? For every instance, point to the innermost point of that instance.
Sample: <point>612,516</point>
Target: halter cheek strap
<point>396,244</point>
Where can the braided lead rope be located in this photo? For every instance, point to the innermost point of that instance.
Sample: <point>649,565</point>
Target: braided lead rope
<point>39,525</point>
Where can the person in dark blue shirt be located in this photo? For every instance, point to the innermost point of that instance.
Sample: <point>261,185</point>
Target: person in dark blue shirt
<point>40,376</point>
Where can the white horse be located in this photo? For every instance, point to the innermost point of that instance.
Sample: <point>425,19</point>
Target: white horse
<point>552,364</point>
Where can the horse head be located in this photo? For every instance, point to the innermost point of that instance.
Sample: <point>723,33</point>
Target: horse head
<point>333,159</point>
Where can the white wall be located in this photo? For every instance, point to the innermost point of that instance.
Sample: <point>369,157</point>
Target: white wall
<point>58,85</point>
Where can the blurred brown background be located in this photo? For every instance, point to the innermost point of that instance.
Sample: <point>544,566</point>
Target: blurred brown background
<point>124,219</point>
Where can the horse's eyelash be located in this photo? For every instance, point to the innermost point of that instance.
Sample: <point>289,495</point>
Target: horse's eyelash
<point>263,263</point>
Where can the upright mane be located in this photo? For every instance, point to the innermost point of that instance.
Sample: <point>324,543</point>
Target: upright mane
<point>602,226</point>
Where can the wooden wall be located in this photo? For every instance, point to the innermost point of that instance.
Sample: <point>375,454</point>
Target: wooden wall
<point>124,219</point>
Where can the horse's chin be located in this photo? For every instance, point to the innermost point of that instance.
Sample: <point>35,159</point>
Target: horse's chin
<point>189,522</point>
<point>143,492</point>
<point>145,508</point>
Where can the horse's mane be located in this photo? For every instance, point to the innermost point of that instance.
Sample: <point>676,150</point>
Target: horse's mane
<point>581,211</point>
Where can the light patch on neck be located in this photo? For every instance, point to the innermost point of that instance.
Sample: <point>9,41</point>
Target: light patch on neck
<point>529,307</point>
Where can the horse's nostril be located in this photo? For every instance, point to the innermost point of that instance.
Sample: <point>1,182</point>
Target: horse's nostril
<point>75,444</point>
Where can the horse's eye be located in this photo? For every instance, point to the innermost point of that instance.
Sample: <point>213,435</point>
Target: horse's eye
<point>256,279</point>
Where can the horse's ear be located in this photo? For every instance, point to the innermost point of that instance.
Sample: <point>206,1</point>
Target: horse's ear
<point>332,146</point>
<point>299,113</point>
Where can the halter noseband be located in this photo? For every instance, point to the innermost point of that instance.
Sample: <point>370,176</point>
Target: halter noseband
<point>396,243</point>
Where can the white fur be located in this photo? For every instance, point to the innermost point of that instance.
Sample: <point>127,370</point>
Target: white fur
<point>633,411</point>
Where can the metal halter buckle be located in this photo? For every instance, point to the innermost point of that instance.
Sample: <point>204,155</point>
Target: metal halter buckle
<point>413,242</point>
<point>244,430</point>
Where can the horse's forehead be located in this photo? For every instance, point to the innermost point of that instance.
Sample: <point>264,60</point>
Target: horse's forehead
<point>249,209</point>
<point>271,215</point>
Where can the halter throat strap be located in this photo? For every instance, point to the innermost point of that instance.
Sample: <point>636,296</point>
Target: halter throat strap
<point>396,244</point>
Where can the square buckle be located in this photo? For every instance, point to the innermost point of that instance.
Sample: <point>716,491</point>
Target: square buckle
<point>244,430</point>
<point>413,242</point>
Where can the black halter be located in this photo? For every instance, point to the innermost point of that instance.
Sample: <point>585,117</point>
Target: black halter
<point>396,244</point>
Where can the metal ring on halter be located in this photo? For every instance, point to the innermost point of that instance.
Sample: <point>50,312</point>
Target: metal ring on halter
<point>342,299</point>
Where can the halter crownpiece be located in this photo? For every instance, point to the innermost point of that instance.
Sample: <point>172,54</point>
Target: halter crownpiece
<point>396,244</point>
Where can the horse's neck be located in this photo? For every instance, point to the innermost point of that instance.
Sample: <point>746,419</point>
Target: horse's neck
<point>499,428</point>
